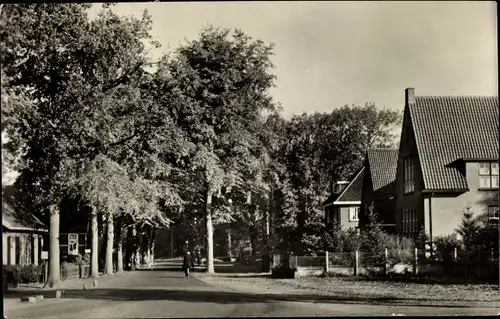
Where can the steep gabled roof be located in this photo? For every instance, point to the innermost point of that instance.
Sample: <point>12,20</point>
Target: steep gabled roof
<point>352,193</point>
<point>16,221</point>
<point>451,128</point>
<point>14,217</point>
<point>383,164</point>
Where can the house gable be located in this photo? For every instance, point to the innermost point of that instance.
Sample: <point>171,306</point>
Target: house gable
<point>351,195</point>
<point>448,128</point>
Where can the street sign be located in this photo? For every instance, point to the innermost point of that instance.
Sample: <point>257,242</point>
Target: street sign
<point>45,255</point>
<point>72,244</point>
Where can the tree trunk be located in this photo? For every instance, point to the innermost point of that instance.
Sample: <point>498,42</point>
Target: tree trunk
<point>138,247</point>
<point>265,242</point>
<point>152,236</point>
<point>94,261</point>
<point>108,266</point>
<point>253,242</point>
<point>229,243</point>
<point>132,247</point>
<point>119,245</point>
<point>210,232</point>
<point>54,262</point>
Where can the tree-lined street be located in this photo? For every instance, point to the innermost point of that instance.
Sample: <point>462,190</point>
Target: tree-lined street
<point>164,292</point>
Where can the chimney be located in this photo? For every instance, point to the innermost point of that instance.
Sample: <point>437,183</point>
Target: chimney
<point>340,186</point>
<point>409,96</point>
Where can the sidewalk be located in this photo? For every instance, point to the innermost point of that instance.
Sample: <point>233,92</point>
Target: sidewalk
<point>12,297</point>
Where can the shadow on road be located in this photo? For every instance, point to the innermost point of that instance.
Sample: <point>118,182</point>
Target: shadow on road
<point>123,295</point>
<point>220,268</point>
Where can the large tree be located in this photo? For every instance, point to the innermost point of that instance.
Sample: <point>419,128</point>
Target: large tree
<point>320,149</point>
<point>219,85</point>
<point>83,82</point>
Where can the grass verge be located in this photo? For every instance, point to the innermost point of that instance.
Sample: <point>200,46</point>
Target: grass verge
<point>363,289</point>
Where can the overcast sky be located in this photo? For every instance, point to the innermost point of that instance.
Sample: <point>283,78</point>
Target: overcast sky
<point>329,54</point>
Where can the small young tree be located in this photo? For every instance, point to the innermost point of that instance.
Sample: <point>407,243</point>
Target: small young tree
<point>469,230</point>
<point>373,238</point>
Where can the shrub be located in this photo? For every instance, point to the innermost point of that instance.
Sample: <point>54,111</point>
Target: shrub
<point>30,273</point>
<point>12,274</point>
<point>445,245</point>
<point>400,250</point>
<point>15,274</point>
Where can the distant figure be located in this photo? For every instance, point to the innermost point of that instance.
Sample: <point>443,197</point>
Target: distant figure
<point>198,256</point>
<point>187,263</point>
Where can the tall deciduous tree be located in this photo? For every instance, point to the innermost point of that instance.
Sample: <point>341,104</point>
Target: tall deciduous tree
<point>219,85</point>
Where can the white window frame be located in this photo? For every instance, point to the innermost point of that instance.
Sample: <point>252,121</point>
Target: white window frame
<point>488,171</point>
<point>354,214</point>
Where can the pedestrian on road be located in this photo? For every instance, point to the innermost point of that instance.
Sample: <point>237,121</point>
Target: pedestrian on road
<point>187,263</point>
<point>198,256</point>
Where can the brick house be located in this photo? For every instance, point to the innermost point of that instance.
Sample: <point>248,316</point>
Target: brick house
<point>447,162</point>
<point>378,187</point>
<point>342,208</point>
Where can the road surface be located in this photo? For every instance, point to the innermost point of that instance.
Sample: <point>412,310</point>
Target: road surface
<point>165,292</point>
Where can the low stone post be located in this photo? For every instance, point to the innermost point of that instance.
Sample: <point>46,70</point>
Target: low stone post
<point>415,262</point>
<point>455,260</point>
<point>356,263</point>
<point>327,264</point>
<point>386,262</point>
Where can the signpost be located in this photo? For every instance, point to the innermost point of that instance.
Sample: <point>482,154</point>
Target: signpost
<point>73,244</point>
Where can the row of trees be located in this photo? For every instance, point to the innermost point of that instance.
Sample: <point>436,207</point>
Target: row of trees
<point>93,119</point>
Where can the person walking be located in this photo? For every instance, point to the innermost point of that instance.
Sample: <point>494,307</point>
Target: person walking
<point>187,263</point>
<point>198,256</point>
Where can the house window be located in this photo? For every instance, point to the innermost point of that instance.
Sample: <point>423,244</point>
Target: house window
<point>335,216</point>
<point>493,214</point>
<point>10,246</point>
<point>409,175</point>
<point>488,175</point>
<point>18,250</point>
<point>408,221</point>
<point>353,214</point>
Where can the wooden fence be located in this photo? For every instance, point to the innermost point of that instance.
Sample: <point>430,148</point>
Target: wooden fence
<point>481,264</point>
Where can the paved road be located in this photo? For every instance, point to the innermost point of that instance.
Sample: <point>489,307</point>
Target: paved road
<point>166,293</point>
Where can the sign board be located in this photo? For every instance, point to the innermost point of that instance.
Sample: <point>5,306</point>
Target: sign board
<point>72,244</point>
<point>273,242</point>
<point>45,255</point>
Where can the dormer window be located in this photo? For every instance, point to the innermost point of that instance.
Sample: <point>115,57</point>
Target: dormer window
<point>488,175</point>
<point>409,175</point>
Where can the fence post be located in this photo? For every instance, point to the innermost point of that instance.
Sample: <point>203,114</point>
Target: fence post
<point>455,259</point>
<point>386,262</point>
<point>466,264</point>
<point>415,261</point>
<point>356,263</point>
<point>492,262</point>
<point>478,263</point>
<point>327,266</point>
